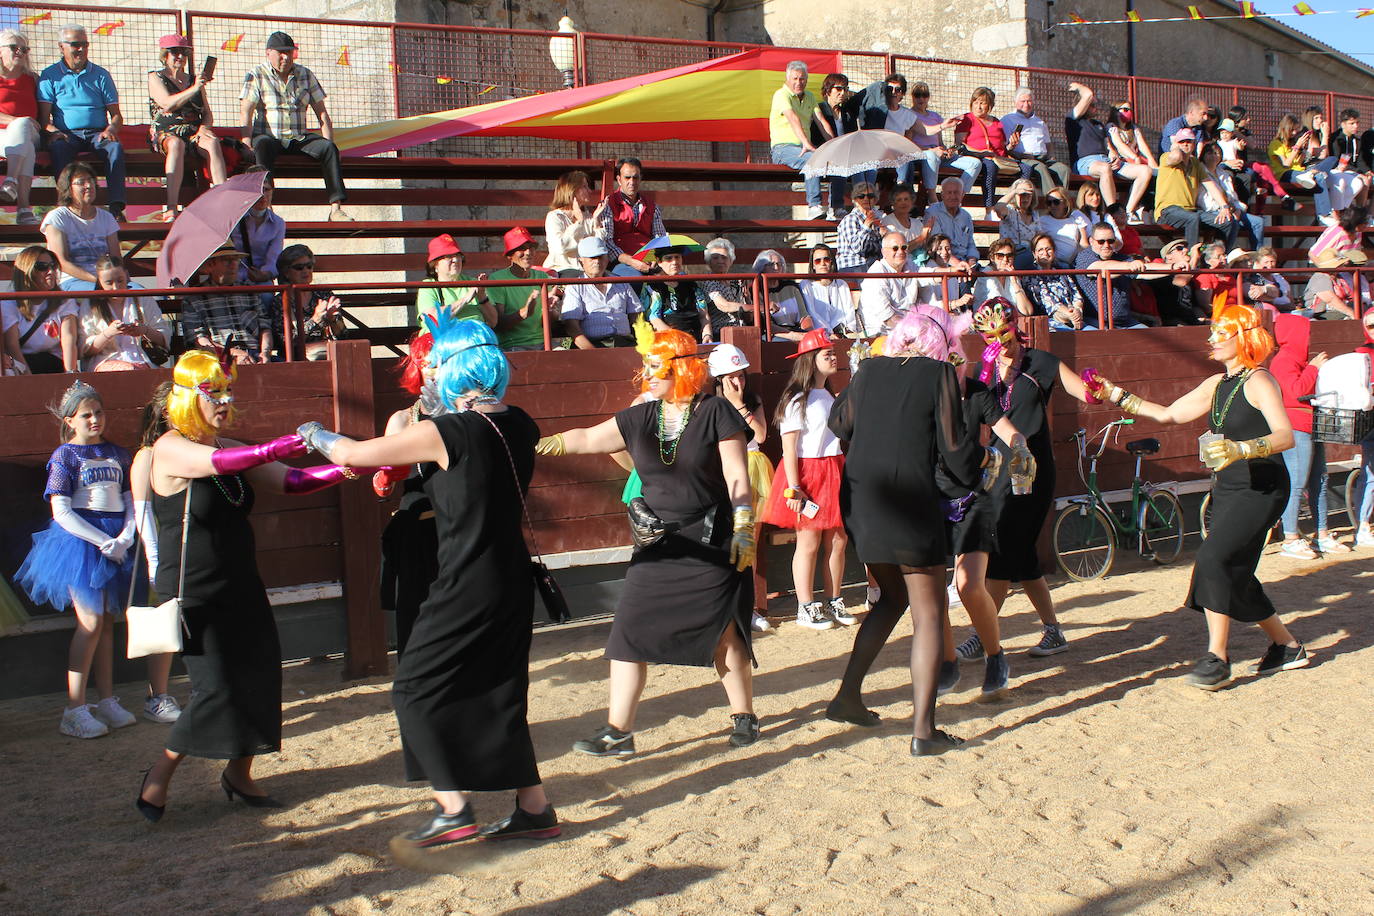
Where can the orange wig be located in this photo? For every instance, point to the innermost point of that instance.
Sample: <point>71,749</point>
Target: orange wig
<point>1243,322</point>
<point>679,350</point>
<point>413,366</point>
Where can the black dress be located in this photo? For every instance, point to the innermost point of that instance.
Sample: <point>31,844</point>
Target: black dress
<point>681,593</point>
<point>410,552</point>
<point>1025,397</point>
<point>1247,499</point>
<point>976,530</point>
<point>461,689</point>
<point>901,417</point>
<point>232,653</point>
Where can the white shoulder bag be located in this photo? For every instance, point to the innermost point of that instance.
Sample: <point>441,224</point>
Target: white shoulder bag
<point>157,630</point>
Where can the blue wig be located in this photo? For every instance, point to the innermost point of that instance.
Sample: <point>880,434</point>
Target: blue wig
<point>466,357</point>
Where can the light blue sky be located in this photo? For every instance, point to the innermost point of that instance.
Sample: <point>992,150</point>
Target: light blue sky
<point>1341,31</point>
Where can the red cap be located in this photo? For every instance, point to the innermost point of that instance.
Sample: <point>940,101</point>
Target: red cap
<point>173,41</point>
<point>516,237</point>
<point>817,339</point>
<point>442,246</point>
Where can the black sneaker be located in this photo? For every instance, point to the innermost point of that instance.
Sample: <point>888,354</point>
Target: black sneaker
<point>1290,204</point>
<point>609,742</point>
<point>746,730</point>
<point>1211,673</point>
<point>1282,658</point>
<point>996,673</point>
<point>522,825</point>
<point>949,676</point>
<point>444,828</point>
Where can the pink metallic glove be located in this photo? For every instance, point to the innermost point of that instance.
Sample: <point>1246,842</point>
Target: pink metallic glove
<point>308,480</point>
<point>385,480</point>
<point>242,457</point>
<point>1093,383</point>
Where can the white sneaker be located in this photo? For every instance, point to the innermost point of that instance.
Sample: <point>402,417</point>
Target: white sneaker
<point>839,613</point>
<point>163,708</point>
<point>815,212</point>
<point>1364,537</point>
<point>1305,180</point>
<point>1137,218</point>
<point>812,616</point>
<point>1328,220</point>
<point>760,623</point>
<point>9,191</point>
<point>871,597</point>
<point>79,723</point>
<point>26,217</point>
<point>952,592</point>
<point>112,714</point>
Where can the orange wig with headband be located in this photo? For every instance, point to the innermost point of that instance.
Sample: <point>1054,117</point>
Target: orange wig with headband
<point>676,352</point>
<point>1253,341</point>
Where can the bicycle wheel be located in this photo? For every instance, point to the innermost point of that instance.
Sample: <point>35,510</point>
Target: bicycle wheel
<point>1354,489</point>
<point>1161,525</point>
<point>1204,514</point>
<point>1084,543</point>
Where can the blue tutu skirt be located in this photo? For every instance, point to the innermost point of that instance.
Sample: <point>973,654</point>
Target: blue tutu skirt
<point>61,565</point>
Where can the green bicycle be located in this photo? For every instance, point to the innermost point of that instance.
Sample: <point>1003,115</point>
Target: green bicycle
<point>1087,530</point>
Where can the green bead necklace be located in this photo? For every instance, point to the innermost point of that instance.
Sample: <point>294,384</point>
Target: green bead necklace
<point>667,448</point>
<point>1226,408</point>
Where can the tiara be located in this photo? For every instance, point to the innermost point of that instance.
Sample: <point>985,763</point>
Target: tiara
<point>73,396</point>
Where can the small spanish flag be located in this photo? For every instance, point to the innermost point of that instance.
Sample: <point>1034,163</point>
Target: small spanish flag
<point>34,20</point>
<point>443,80</point>
<point>1195,13</point>
<point>1363,13</point>
<point>391,65</point>
<point>232,44</point>
<point>1133,16</point>
<point>486,90</point>
<point>1302,9</point>
<point>106,30</point>
<point>343,57</point>
<point>1074,17</point>
<point>1247,9</point>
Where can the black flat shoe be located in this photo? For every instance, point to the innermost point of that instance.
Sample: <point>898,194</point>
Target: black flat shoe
<point>936,744</point>
<point>252,801</point>
<point>864,718</point>
<point>522,825</point>
<point>146,808</point>
<point>445,828</point>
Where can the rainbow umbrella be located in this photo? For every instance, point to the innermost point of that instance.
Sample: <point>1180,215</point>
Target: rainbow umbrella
<point>685,242</point>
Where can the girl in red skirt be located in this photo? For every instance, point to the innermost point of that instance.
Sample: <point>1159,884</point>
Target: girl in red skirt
<point>806,494</point>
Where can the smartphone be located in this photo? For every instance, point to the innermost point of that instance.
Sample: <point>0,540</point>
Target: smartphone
<point>208,70</point>
<point>810,509</point>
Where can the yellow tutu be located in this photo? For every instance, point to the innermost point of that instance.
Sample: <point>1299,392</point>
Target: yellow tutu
<point>12,612</point>
<point>760,479</point>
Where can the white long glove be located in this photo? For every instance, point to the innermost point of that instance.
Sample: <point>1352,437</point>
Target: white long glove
<point>118,547</point>
<point>75,525</point>
<point>147,533</point>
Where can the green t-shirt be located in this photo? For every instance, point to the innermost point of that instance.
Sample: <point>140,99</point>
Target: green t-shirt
<point>508,299</point>
<point>461,301</point>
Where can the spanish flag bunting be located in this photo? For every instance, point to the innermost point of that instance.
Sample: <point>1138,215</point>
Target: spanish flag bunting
<point>106,30</point>
<point>1077,18</point>
<point>343,57</point>
<point>232,44</point>
<point>486,90</point>
<point>1195,13</point>
<point>443,80</point>
<point>1302,9</point>
<point>34,20</point>
<point>1133,15</point>
<point>1247,9</point>
<point>1363,13</point>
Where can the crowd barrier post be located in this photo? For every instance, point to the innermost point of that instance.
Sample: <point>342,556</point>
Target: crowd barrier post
<point>544,314</point>
<point>288,323</point>
<point>1104,313</point>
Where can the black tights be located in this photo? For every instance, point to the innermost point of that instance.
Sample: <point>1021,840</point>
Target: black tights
<point>924,591</point>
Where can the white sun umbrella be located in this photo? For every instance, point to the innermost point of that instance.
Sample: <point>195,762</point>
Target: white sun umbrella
<point>861,151</point>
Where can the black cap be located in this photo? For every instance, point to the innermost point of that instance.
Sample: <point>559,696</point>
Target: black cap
<point>280,41</point>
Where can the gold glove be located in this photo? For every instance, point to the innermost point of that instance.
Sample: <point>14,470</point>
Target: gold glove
<point>1021,466</point>
<point>1225,452</point>
<point>991,465</point>
<point>742,544</point>
<point>550,445</point>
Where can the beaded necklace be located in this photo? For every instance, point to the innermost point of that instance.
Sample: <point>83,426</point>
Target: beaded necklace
<point>220,486</point>
<point>667,443</point>
<point>1007,385</point>
<point>1217,421</point>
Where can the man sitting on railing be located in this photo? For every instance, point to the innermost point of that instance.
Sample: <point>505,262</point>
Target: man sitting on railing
<point>629,220</point>
<point>1101,255</point>
<point>790,118</point>
<point>520,317</point>
<point>883,298</point>
<point>598,314</point>
<point>273,103</point>
<point>226,320</point>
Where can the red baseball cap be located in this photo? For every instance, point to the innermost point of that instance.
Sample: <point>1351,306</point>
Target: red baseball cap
<point>817,339</point>
<point>173,41</point>
<point>516,237</point>
<point>442,246</point>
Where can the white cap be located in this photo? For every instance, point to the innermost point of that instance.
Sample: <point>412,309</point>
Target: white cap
<point>591,247</point>
<point>726,358</point>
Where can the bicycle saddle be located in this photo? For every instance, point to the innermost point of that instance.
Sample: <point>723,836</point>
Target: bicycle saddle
<point>1143,446</point>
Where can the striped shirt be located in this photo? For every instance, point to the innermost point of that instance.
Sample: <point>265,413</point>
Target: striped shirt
<point>281,103</point>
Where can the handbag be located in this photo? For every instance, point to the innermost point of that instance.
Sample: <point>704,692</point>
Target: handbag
<point>1007,165</point>
<point>157,630</point>
<point>646,528</point>
<point>555,603</point>
<point>157,355</point>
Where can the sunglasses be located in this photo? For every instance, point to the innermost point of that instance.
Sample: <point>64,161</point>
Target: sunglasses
<point>45,265</point>
<point>822,259</point>
<point>896,247</point>
<point>1107,241</point>
<point>1002,254</point>
<point>864,196</point>
<point>76,44</point>
<point>304,265</point>
<point>18,49</point>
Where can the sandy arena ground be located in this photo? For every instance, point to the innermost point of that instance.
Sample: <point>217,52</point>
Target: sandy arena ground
<point>1101,785</point>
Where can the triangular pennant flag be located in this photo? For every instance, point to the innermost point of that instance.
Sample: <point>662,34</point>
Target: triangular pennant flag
<point>1132,15</point>
<point>1195,13</point>
<point>343,57</point>
<point>443,80</point>
<point>1247,9</point>
<point>1302,9</point>
<point>106,30</point>
<point>34,20</point>
<point>1363,13</point>
<point>1074,17</point>
<point>232,44</point>
<point>486,90</point>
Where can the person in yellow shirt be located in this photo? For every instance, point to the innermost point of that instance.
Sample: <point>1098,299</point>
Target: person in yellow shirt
<point>789,133</point>
<point>1176,187</point>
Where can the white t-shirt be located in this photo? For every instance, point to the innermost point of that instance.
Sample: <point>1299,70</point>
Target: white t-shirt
<point>85,237</point>
<point>890,224</point>
<point>816,440</point>
<point>1065,234</point>
<point>900,121</point>
<point>48,337</point>
<point>122,346</point>
<point>830,305</point>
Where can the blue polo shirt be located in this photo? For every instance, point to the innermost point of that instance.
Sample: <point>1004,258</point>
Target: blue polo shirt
<point>78,97</point>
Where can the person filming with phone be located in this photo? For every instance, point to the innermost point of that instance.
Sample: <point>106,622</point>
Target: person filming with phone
<point>181,117</point>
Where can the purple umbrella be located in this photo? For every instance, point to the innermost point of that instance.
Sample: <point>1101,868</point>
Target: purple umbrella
<point>205,225</point>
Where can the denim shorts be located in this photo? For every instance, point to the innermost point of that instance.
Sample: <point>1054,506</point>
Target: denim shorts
<point>1081,166</point>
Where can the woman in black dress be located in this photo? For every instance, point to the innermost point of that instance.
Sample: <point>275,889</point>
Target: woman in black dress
<point>902,416</point>
<point>231,650</point>
<point>1021,379</point>
<point>687,598</point>
<point>461,689</point>
<point>1249,427</point>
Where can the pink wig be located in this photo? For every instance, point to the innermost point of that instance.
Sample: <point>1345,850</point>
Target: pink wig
<point>924,331</point>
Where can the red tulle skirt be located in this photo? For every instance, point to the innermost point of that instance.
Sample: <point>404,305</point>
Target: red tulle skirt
<point>820,481</point>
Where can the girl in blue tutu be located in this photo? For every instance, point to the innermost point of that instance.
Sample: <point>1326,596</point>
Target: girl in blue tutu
<point>81,560</point>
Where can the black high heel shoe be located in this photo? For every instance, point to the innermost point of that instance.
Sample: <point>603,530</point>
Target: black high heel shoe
<point>252,801</point>
<point>146,808</point>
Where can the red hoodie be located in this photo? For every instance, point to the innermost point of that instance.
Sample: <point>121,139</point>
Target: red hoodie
<point>1296,376</point>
